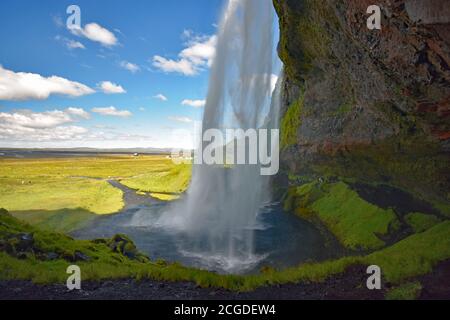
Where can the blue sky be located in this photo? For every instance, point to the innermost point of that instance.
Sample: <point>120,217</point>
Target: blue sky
<point>133,71</point>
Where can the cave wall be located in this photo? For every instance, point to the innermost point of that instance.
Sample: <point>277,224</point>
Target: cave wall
<point>367,105</point>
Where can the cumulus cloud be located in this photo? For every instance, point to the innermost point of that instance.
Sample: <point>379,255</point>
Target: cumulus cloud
<point>79,112</point>
<point>194,103</point>
<point>112,111</point>
<point>198,55</point>
<point>133,68</point>
<point>161,97</point>
<point>69,43</point>
<point>109,87</point>
<point>181,119</point>
<point>96,33</point>
<point>26,125</point>
<point>31,86</point>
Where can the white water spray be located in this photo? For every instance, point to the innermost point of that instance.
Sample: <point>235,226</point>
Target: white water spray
<point>220,209</point>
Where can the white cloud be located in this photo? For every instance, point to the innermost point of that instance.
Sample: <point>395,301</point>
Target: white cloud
<point>198,55</point>
<point>182,66</point>
<point>109,87</point>
<point>133,68</point>
<point>58,21</point>
<point>78,112</point>
<point>25,125</point>
<point>181,119</point>
<point>112,111</point>
<point>29,86</point>
<point>201,51</point>
<point>69,43</point>
<point>142,109</point>
<point>194,103</point>
<point>96,33</point>
<point>161,97</point>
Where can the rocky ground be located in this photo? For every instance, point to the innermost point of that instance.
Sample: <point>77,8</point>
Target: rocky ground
<point>348,286</point>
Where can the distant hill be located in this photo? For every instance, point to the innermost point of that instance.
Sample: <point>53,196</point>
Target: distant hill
<point>162,151</point>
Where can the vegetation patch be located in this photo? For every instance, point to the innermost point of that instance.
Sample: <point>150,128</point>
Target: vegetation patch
<point>420,222</point>
<point>64,220</point>
<point>165,196</point>
<point>407,291</point>
<point>356,223</point>
<point>290,124</point>
<point>415,255</point>
<point>50,193</point>
<point>173,179</point>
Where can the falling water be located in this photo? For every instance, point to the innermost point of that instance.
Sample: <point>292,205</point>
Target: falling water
<point>220,209</point>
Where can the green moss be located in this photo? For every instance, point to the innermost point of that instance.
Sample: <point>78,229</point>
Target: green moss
<point>412,163</point>
<point>408,291</point>
<point>290,124</point>
<point>356,223</point>
<point>305,36</point>
<point>421,222</point>
<point>415,255</point>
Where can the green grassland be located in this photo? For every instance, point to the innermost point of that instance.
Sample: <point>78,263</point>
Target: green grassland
<point>57,192</point>
<point>63,193</point>
<point>173,179</point>
<point>409,258</point>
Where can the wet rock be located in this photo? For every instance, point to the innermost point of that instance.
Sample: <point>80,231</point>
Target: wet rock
<point>25,243</point>
<point>122,244</point>
<point>80,256</point>
<point>52,256</point>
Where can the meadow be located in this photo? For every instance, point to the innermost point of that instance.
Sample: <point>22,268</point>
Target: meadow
<point>63,193</point>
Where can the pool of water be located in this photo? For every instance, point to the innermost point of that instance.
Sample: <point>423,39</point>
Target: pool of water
<point>281,240</point>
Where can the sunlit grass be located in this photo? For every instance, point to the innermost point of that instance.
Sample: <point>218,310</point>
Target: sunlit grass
<point>174,179</point>
<point>56,193</point>
<point>355,222</point>
<point>62,193</point>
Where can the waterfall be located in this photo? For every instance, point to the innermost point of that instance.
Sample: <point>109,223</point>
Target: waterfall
<point>221,206</point>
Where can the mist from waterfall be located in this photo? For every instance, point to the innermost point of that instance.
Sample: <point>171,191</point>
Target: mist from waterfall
<point>220,208</point>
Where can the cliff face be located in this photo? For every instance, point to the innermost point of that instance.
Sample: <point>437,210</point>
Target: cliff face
<point>368,105</point>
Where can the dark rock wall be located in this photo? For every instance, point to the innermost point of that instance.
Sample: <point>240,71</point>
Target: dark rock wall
<point>375,105</point>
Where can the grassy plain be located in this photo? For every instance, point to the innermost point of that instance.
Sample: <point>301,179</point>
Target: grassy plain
<point>61,193</point>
